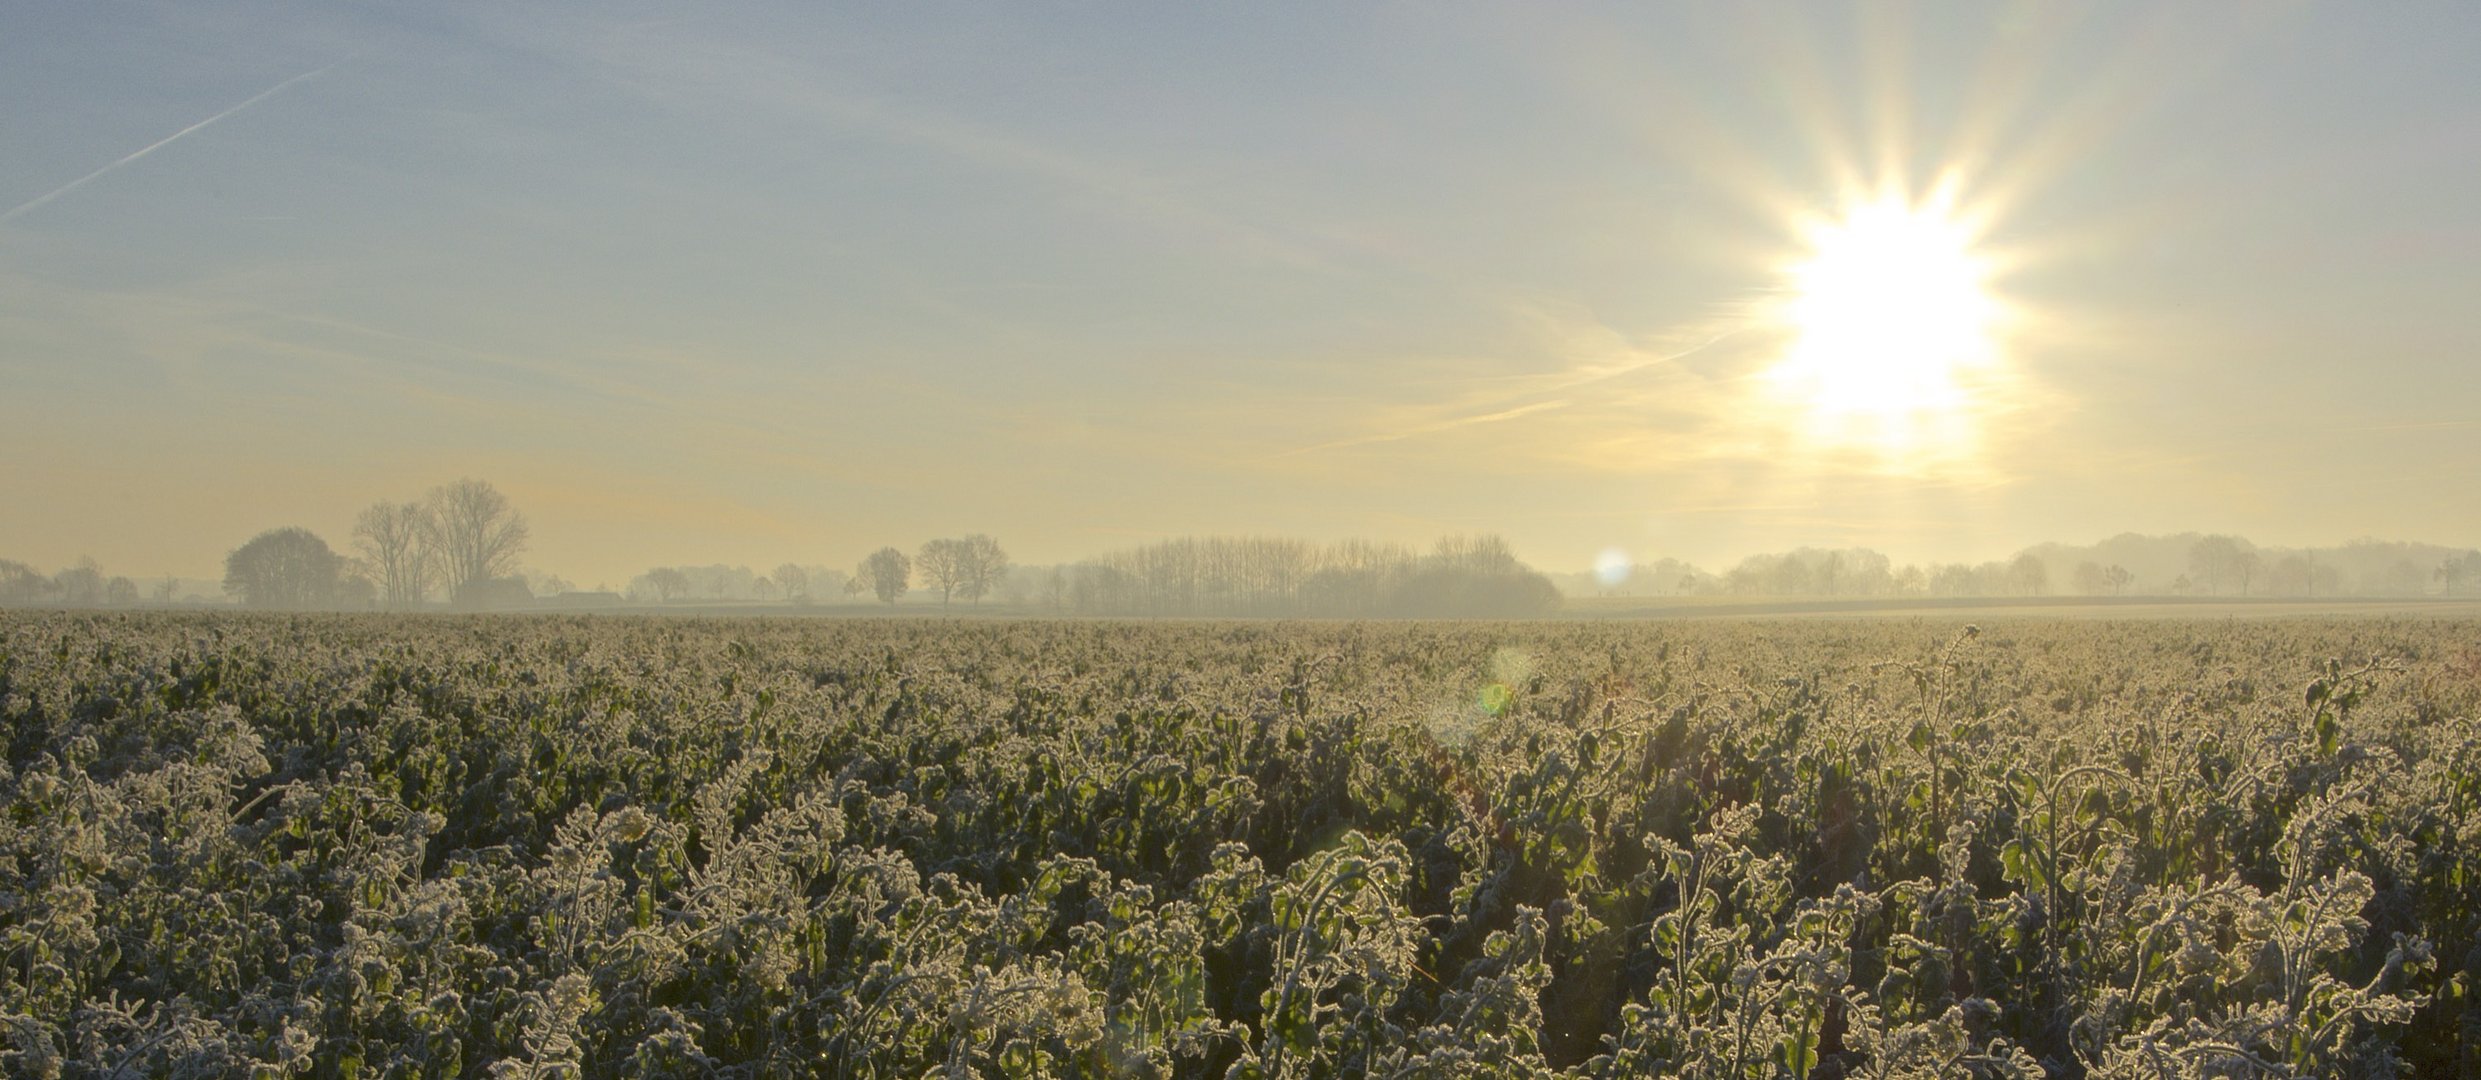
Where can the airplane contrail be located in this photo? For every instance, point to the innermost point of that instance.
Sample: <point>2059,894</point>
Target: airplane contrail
<point>159,144</point>
<point>1431,428</point>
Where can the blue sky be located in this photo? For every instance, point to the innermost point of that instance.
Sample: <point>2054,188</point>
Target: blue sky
<point>751,283</point>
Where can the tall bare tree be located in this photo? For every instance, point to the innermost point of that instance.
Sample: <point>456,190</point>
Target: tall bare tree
<point>477,536</point>
<point>982,566</point>
<point>2027,575</point>
<point>395,541</point>
<point>942,563</point>
<point>795,582</point>
<point>2216,560</point>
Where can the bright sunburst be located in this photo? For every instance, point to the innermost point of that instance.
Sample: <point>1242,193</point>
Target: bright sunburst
<point>1892,323</point>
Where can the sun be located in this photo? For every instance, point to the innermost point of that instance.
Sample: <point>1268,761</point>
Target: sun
<point>1891,325</point>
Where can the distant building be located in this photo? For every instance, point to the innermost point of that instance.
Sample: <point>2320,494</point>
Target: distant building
<point>497,594</point>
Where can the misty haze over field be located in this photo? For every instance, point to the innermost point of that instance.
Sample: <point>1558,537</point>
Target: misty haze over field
<point>1276,310</point>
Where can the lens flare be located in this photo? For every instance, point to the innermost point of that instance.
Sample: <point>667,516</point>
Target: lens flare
<point>1612,567</point>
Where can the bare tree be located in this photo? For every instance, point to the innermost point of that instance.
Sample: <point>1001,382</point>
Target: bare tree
<point>476,534</point>
<point>795,582</point>
<point>983,566</point>
<point>1484,554</point>
<point>2028,575</point>
<point>2216,560</point>
<point>666,583</point>
<point>2248,566</point>
<point>887,573</point>
<point>395,542</point>
<point>81,585</point>
<point>2455,570</point>
<point>283,568</point>
<point>943,566</point>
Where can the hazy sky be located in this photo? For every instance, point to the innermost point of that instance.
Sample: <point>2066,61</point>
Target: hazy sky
<point>748,284</point>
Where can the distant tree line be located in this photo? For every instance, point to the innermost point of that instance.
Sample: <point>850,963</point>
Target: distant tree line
<point>81,585</point>
<point>789,583</point>
<point>458,546</point>
<point>1462,577</point>
<point>2189,565</point>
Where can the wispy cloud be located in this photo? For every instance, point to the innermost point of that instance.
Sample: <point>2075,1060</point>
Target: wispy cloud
<point>1614,390</point>
<point>1432,428</point>
<point>14,212</point>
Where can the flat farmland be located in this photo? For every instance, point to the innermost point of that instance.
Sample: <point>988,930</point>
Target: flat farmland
<point>1730,847</point>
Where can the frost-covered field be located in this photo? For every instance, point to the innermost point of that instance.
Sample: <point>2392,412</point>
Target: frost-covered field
<point>363,846</point>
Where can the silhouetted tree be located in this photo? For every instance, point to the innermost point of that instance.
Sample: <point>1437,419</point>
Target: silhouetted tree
<point>982,566</point>
<point>2215,561</point>
<point>942,563</point>
<point>2455,571</point>
<point>1954,579</point>
<point>1485,554</point>
<point>80,585</point>
<point>395,540</point>
<point>283,568</point>
<point>120,592</point>
<point>22,584</point>
<point>886,573</point>
<point>476,534</point>
<point>795,582</point>
<point>2028,575</point>
<point>666,583</point>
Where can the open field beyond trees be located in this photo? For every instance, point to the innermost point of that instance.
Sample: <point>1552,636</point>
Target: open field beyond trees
<point>1896,847</point>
